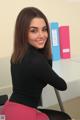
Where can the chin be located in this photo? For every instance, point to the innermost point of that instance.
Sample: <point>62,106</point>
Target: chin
<point>40,47</point>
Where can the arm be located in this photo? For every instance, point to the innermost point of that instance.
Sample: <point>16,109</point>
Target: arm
<point>44,72</point>
<point>50,62</point>
<point>52,78</point>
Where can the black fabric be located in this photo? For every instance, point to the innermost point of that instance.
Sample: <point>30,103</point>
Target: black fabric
<point>55,115</point>
<point>30,77</point>
<point>3,99</point>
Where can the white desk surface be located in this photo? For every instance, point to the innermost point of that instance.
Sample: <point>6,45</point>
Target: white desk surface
<point>68,69</point>
<point>5,75</point>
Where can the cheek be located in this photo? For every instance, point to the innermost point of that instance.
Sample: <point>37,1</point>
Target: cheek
<point>46,38</point>
<point>46,35</point>
<point>31,37</point>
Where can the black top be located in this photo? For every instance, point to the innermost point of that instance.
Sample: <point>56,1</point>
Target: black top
<point>30,76</point>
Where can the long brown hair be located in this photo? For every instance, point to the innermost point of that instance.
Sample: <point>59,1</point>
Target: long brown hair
<point>21,33</point>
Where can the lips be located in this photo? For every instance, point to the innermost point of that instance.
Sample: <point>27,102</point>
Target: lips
<point>41,41</point>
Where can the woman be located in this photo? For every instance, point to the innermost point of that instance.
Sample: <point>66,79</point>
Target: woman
<point>31,68</point>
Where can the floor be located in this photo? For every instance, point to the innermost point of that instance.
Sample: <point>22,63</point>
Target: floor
<point>72,107</point>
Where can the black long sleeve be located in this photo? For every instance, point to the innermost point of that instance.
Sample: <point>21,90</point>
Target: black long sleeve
<point>43,71</point>
<point>30,77</point>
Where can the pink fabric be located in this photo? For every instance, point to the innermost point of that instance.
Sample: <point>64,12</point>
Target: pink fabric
<point>14,111</point>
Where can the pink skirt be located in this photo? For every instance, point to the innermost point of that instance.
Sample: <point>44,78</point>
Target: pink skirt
<point>16,111</point>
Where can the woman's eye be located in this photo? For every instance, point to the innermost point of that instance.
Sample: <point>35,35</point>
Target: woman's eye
<point>45,29</point>
<point>33,30</point>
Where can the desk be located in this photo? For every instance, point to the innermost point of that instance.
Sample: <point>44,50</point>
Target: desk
<point>5,76</point>
<point>69,70</point>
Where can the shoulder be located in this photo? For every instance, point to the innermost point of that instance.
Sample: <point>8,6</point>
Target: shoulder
<point>37,58</point>
<point>33,57</point>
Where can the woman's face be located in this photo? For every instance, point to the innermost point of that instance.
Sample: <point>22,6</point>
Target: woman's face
<point>37,34</point>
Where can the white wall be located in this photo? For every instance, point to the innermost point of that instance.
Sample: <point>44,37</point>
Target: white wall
<point>62,11</point>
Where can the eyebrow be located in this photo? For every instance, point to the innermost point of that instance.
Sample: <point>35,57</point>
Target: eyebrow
<point>36,27</point>
<point>33,27</point>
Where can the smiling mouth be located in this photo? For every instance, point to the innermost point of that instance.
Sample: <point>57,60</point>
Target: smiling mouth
<point>41,41</point>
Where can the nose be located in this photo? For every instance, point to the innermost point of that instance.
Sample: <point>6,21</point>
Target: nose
<point>41,34</point>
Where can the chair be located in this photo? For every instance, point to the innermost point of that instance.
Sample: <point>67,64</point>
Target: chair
<point>3,99</point>
<point>53,114</point>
